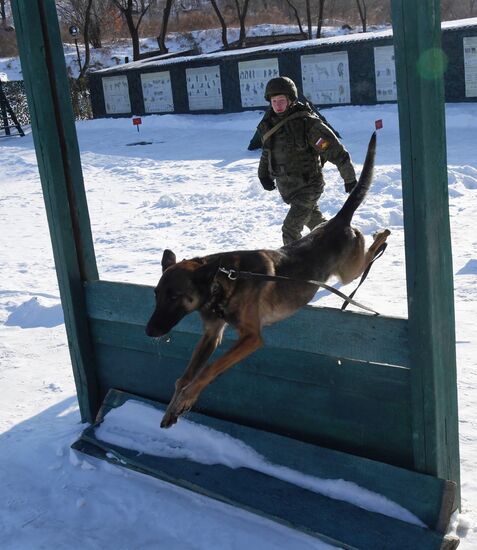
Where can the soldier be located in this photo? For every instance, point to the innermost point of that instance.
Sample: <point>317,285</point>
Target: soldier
<point>295,143</point>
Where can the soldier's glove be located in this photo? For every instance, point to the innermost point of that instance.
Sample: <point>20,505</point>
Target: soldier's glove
<point>349,186</point>
<point>267,183</point>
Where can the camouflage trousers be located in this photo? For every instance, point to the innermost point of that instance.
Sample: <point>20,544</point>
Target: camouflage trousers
<point>303,201</point>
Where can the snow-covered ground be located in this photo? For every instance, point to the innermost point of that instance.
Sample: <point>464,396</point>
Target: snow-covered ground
<point>193,189</point>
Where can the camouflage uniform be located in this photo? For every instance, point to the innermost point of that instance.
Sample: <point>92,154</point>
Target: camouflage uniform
<point>290,157</point>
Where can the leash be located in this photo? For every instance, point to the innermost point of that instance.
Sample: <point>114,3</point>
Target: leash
<point>233,275</point>
<point>379,253</point>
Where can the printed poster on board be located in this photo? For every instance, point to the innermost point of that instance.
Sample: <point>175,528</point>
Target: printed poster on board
<point>385,72</point>
<point>157,92</point>
<point>470,66</point>
<point>325,77</point>
<point>204,88</point>
<point>253,77</point>
<point>116,94</point>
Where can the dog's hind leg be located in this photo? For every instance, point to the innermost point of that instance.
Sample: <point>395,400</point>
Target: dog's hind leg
<point>249,340</point>
<point>359,260</point>
<point>379,239</point>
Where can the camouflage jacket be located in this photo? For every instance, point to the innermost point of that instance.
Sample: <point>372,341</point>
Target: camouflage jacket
<point>292,149</point>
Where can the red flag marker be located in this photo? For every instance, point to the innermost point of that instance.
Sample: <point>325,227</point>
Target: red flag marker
<point>378,124</point>
<point>137,121</point>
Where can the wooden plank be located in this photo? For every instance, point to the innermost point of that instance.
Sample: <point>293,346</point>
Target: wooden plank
<point>374,380</point>
<point>419,71</point>
<point>332,520</point>
<point>326,331</point>
<point>47,89</point>
<point>338,408</point>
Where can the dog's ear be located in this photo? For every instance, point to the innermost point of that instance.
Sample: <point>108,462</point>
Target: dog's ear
<point>168,259</point>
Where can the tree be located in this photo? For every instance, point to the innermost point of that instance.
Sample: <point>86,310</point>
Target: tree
<point>223,24</point>
<point>78,13</point>
<point>165,22</point>
<point>133,11</point>
<point>295,13</point>
<point>87,57</point>
<point>86,14</point>
<point>308,18</point>
<point>3,15</point>
<point>362,13</point>
<point>100,14</point>
<point>319,24</point>
<point>242,15</point>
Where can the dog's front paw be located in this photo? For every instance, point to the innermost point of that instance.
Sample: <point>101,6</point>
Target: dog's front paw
<point>169,419</point>
<point>181,403</point>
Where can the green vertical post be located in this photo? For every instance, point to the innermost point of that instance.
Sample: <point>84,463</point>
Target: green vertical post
<point>54,133</point>
<point>420,66</point>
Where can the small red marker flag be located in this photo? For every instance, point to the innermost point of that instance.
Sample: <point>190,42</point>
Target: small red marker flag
<point>137,121</point>
<point>378,124</point>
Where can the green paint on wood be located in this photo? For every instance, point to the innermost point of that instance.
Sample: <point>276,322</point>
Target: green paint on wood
<point>419,71</point>
<point>326,331</point>
<point>43,67</point>
<point>334,521</point>
<point>315,402</point>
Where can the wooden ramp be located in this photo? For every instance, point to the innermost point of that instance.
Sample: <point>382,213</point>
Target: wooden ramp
<point>334,521</point>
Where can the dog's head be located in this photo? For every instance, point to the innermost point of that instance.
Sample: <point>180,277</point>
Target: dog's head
<point>179,292</point>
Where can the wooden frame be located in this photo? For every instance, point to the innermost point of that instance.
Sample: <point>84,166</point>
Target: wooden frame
<point>387,392</point>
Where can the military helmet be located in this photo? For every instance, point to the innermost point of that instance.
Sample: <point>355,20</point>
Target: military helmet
<point>281,85</point>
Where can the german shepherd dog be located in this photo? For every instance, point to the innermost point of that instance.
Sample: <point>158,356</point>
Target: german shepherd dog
<point>332,248</point>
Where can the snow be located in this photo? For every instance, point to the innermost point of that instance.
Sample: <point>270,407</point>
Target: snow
<point>207,446</point>
<point>196,195</point>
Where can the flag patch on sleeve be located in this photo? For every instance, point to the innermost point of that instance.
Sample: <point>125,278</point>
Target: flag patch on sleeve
<point>322,144</point>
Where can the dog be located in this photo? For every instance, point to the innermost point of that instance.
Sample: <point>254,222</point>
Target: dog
<point>206,284</point>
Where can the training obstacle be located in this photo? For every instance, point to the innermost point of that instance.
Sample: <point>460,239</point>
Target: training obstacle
<point>332,394</point>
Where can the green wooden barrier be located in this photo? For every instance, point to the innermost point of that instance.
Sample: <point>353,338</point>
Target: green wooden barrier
<point>365,394</point>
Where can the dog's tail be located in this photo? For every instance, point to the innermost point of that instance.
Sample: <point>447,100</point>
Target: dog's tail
<point>359,191</point>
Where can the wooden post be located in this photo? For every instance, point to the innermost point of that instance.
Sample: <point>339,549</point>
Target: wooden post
<point>54,133</point>
<point>420,66</point>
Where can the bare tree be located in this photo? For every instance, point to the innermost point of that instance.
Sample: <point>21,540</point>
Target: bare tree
<point>295,13</point>
<point>99,16</point>
<point>242,8</point>
<point>78,13</point>
<point>133,11</point>
<point>319,24</point>
<point>363,13</point>
<point>308,18</point>
<point>3,15</point>
<point>223,24</point>
<point>161,40</point>
<point>87,56</point>
<point>84,13</point>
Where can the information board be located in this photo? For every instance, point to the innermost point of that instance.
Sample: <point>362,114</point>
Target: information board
<point>157,92</point>
<point>325,77</point>
<point>253,77</point>
<point>385,73</point>
<point>204,88</point>
<point>470,66</point>
<point>116,94</point>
